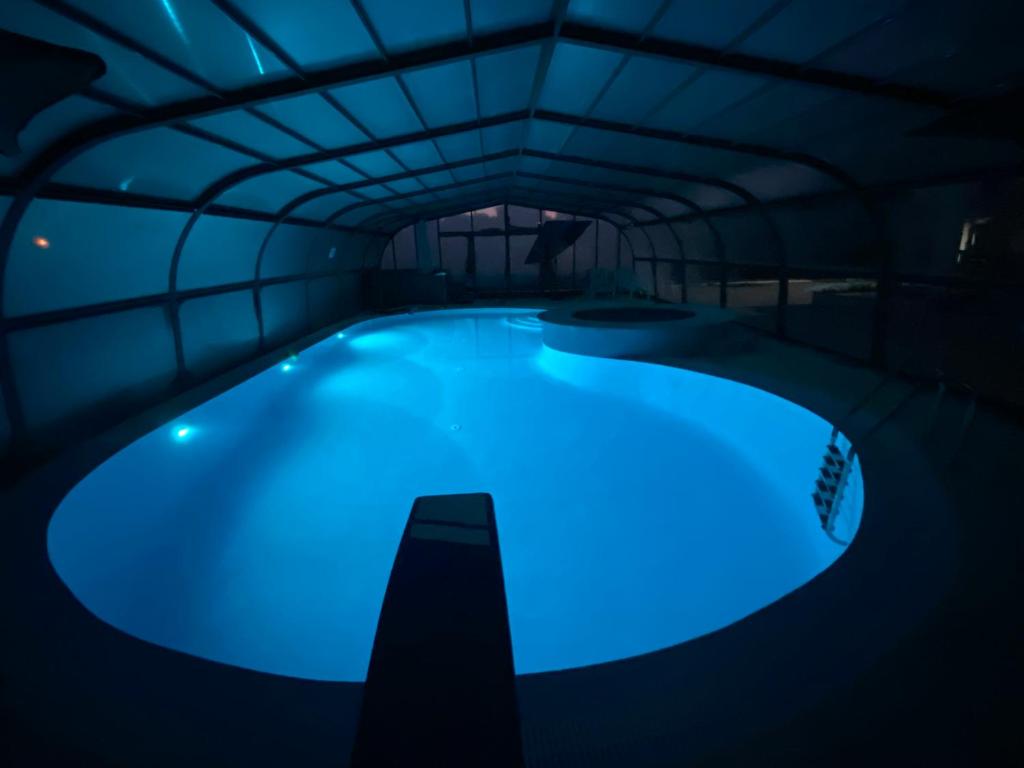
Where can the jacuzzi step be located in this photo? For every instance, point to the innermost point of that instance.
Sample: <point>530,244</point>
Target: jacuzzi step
<point>529,322</point>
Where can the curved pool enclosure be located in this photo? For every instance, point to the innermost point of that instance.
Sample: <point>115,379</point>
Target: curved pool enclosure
<point>638,505</point>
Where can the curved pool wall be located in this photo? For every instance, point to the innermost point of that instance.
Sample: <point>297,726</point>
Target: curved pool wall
<point>638,505</point>
<point>639,330</point>
<point>632,314</point>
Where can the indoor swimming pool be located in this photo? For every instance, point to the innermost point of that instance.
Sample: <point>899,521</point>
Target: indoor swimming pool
<point>638,505</point>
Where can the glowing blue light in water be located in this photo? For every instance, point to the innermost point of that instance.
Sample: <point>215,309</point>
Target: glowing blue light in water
<point>123,186</point>
<point>173,16</point>
<point>340,335</point>
<point>286,367</point>
<point>638,506</point>
<point>182,432</point>
<point>383,341</point>
<point>255,56</point>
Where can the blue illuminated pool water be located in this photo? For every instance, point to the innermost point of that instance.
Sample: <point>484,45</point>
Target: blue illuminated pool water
<point>638,506</point>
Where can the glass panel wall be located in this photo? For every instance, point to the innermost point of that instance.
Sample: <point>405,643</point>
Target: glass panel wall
<point>487,250</point>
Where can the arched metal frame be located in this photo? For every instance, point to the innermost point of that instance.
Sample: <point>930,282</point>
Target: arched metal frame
<point>35,180</point>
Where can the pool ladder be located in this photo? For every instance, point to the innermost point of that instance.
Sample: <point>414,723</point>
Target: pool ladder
<point>830,484</point>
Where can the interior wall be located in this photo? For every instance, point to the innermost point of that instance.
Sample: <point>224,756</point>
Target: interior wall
<point>93,331</point>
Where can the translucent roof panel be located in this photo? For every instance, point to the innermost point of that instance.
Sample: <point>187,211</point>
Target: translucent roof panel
<point>160,162</point>
<point>319,208</point>
<point>467,172</point>
<point>403,25</point>
<point>547,136</point>
<point>335,171</point>
<point>531,164</point>
<point>460,146</point>
<point>614,14</point>
<point>805,29</point>
<point>502,138</point>
<point>976,65</point>
<point>403,186</point>
<point>505,164</point>
<point>658,154</point>
<point>243,128</point>
<point>709,198</point>
<point>418,154</point>
<point>920,35</point>
<point>490,16</point>
<point>712,24</point>
<point>602,179</point>
<point>375,191</point>
<point>313,117</point>
<point>576,77</point>
<point>769,181</point>
<point>380,106</point>
<point>376,163</point>
<point>641,214</point>
<point>437,179</point>
<point>754,119</point>
<point>268,192</point>
<point>703,98</point>
<point>316,33</point>
<point>642,85</point>
<point>196,35</point>
<point>444,94</point>
<point>854,118</point>
<point>415,200</point>
<point>505,80</point>
<point>355,216</point>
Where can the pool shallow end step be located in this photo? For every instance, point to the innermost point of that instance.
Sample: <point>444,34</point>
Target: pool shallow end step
<point>440,689</point>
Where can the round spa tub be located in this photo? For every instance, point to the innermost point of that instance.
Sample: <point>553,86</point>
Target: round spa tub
<point>632,330</point>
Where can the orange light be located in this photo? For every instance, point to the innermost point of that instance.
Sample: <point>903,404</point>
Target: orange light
<point>40,242</point>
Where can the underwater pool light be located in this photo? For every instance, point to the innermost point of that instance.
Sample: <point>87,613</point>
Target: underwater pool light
<point>286,367</point>
<point>40,242</point>
<point>340,335</point>
<point>182,432</point>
